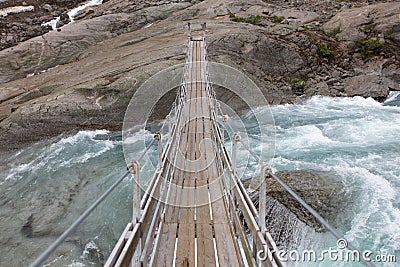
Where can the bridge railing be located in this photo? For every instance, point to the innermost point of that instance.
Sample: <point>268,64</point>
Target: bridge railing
<point>267,173</point>
<point>243,213</point>
<point>140,238</point>
<point>241,209</point>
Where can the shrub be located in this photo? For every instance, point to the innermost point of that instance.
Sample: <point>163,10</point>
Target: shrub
<point>255,20</point>
<point>297,83</point>
<point>370,47</point>
<point>276,19</point>
<point>324,51</point>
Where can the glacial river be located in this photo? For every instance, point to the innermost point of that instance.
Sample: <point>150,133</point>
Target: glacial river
<point>45,187</point>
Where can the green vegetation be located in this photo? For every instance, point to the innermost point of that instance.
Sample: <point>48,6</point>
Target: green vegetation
<point>297,83</point>
<point>276,19</point>
<point>232,15</point>
<point>370,47</point>
<point>324,51</point>
<point>333,34</point>
<point>389,34</point>
<point>255,20</point>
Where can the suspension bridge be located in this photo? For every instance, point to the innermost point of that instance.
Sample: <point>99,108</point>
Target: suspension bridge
<point>195,210</point>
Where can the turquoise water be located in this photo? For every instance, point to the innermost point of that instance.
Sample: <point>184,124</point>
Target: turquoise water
<point>52,182</point>
<point>359,140</point>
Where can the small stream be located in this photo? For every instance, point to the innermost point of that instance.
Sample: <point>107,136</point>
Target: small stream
<point>72,13</point>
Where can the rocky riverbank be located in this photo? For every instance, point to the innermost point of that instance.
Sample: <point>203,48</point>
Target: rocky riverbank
<point>86,73</point>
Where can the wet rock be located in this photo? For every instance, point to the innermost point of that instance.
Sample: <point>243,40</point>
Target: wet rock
<point>64,20</point>
<point>374,86</point>
<point>321,190</point>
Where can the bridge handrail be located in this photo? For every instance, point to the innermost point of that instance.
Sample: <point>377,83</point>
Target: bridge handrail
<point>239,196</point>
<point>137,231</point>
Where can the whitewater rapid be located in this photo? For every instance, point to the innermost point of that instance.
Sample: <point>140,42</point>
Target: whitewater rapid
<point>357,139</point>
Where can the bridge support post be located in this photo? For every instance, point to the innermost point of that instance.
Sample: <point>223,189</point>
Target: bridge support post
<point>134,169</point>
<point>235,140</point>
<point>232,183</point>
<point>262,205</point>
<point>169,121</point>
<point>224,120</point>
<point>158,137</point>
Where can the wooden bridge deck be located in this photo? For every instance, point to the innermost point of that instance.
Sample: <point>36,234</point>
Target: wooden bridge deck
<point>195,230</point>
<point>195,209</point>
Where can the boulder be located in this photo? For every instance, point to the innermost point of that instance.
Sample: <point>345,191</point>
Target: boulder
<point>374,86</point>
<point>64,20</point>
<point>321,190</point>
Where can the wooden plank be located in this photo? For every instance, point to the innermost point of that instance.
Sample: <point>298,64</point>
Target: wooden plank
<point>188,201</point>
<point>205,245</point>
<point>185,252</point>
<point>185,249</point>
<point>216,196</point>
<point>164,256</point>
<point>174,198</point>
<point>202,199</point>
<point>225,247</point>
